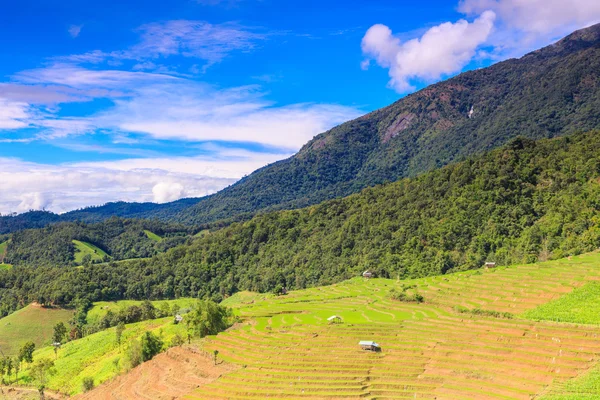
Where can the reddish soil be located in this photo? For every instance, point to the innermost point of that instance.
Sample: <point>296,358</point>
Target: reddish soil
<point>167,376</point>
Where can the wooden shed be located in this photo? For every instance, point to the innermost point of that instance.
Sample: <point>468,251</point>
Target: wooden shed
<point>335,319</point>
<point>490,264</point>
<point>367,274</point>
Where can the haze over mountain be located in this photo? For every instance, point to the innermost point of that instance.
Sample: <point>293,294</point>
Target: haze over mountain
<point>550,92</point>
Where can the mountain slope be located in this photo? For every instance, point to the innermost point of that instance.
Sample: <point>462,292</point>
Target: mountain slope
<point>547,93</point>
<point>550,92</point>
<point>524,202</point>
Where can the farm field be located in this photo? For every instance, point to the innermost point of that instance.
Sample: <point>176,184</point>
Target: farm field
<point>152,236</point>
<point>33,323</point>
<point>100,308</point>
<point>429,350</point>
<point>97,355</point>
<point>83,248</point>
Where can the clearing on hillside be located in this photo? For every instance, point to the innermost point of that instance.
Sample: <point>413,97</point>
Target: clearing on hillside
<point>33,323</point>
<point>5,266</point>
<point>3,247</point>
<point>84,248</point>
<point>152,236</point>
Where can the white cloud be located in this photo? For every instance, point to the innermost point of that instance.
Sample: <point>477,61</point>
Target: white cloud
<point>525,25</point>
<point>199,113</point>
<point>539,16</point>
<point>442,50</point>
<point>77,77</point>
<point>33,201</point>
<point>164,192</point>
<point>197,39</point>
<point>75,30</point>
<point>61,188</point>
<point>13,114</point>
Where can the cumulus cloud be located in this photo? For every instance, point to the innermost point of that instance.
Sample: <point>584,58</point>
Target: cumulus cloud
<point>33,201</point>
<point>501,29</point>
<point>164,192</point>
<point>442,50</point>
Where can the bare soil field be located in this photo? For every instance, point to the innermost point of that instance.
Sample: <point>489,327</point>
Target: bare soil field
<point>166,377</point>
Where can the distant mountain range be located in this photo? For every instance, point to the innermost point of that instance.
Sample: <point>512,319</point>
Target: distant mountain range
<point>550,92</point>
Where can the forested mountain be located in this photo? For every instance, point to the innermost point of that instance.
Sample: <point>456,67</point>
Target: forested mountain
<point>524,202</point>
<point>119,238</point>
<point>550,92</point>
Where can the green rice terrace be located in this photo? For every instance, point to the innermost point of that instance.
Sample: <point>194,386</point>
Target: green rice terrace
<point>448,347</point>
<point>483,334</point>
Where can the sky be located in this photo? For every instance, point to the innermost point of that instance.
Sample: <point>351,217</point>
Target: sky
<point>155,101</point>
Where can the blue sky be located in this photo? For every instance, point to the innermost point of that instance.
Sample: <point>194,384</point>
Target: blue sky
<point>154,101</point>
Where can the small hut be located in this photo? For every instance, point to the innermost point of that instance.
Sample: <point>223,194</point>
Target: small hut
<point>369,345</point>
<point>335,319</point>
<point>367,274</point>
<point>490,264</point>
<point>178,319</point>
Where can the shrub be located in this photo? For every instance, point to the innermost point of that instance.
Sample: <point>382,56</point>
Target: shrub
<point>88,383</point>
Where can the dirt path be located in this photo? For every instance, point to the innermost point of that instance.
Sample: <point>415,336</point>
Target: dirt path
<point>167,376</point>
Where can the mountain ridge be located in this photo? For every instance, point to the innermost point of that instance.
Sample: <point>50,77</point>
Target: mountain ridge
<point>549,92</point>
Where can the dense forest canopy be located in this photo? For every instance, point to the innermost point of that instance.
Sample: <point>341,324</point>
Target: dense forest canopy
<point>119,238</point>
<point>551,92</point>
<point>524,202</point>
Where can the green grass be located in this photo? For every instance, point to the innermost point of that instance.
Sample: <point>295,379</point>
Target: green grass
<point>579,306</point>
<point>584,387</point>
<point>152,236</point>
<point>242,298</point>
<point>3,247</point>
<point>95,355</point>
<point>84,248</point>
<point>30,323</point>
<point>5,266</point>
<point>102,307</point>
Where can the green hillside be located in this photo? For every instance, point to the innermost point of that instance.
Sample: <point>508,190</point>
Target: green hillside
<point>525,202</point>
<point>65,244</point>
<point>449,346</point>
<point>33,323</point>
<point>97,355</point>
<point>83,249</point>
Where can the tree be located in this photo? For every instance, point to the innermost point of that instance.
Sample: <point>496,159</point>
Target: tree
<point>17,367</point>
<point>215,353</point>
<point>151,345</point>
<point>26,352</point>
<point>209,318</point>
<point>60,332</point>
<point>119,333</point>
<point>40,371</point>
<point>8,366</point>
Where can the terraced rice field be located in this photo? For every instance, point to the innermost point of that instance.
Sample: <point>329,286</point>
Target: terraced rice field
<point>288,350</point>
